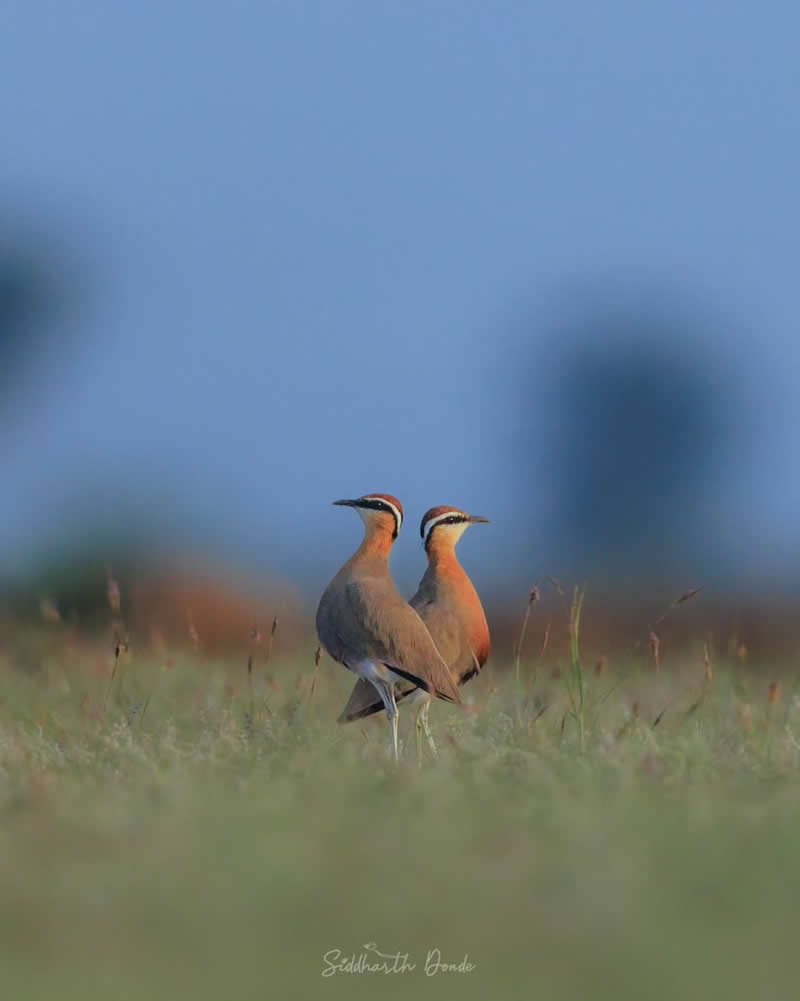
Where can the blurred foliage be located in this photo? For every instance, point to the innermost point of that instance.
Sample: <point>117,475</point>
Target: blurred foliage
<point>31,295</point>
<point>640,427</point>
<point>75,581</point>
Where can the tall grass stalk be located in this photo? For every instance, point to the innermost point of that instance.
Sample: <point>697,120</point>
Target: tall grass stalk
<point>314,677</point>
<point>533,597</point>
<point>118,631</point>
<point>574,678</point>
<point>268,677</point>
<point>250,686</point>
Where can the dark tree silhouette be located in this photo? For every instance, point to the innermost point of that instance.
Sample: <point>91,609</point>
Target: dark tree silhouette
<point>641,426</point>
<point>36,293</point>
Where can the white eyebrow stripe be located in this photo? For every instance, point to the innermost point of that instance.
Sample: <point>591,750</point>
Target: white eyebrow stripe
<point>389,504</point>
<point>430,525</point>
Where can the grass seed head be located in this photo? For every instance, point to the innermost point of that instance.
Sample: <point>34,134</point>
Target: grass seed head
<point>48,610</point>
<point>655,647</point>
<point>113,593</point>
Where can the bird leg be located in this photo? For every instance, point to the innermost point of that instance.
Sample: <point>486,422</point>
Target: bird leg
<point>386,692</point>
<point>422,725</point>
<point>394,718</point>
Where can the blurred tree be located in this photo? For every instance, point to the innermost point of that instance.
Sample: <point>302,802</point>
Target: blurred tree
<point>641,425</point>
<point>31,294</point>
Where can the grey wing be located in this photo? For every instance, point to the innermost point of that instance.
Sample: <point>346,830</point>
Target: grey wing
<point>332,635</point>
<point>451,636</point>
<point>396,636</point>
<point>448,633</point>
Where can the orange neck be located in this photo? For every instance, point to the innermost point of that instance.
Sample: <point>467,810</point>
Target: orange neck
<point>377,541</point>
<point>442,557</point>
<point>447,582</point>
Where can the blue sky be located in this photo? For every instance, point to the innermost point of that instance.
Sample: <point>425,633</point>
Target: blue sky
<point>321,242</point>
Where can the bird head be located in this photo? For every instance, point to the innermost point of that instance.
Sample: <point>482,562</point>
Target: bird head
<point>378,511</point>
<point>448,523</point>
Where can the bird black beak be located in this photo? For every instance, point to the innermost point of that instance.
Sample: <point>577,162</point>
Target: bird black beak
<point>348,503</point>
<point>476,519</point>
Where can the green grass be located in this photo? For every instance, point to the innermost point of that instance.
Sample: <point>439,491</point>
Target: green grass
<point>205,850</point>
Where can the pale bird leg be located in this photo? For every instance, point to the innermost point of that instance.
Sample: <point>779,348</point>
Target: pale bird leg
<point>422,721</point>
<point>386,692</point>
<point>395,748</point>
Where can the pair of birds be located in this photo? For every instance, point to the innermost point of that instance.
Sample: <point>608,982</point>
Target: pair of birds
<point>404,651</point>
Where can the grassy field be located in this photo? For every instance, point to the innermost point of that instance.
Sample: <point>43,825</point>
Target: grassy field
<point>178,832</point>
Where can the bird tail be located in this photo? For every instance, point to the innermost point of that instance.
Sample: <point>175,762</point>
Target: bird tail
<point>364,701</point>
<point>441,684</point>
